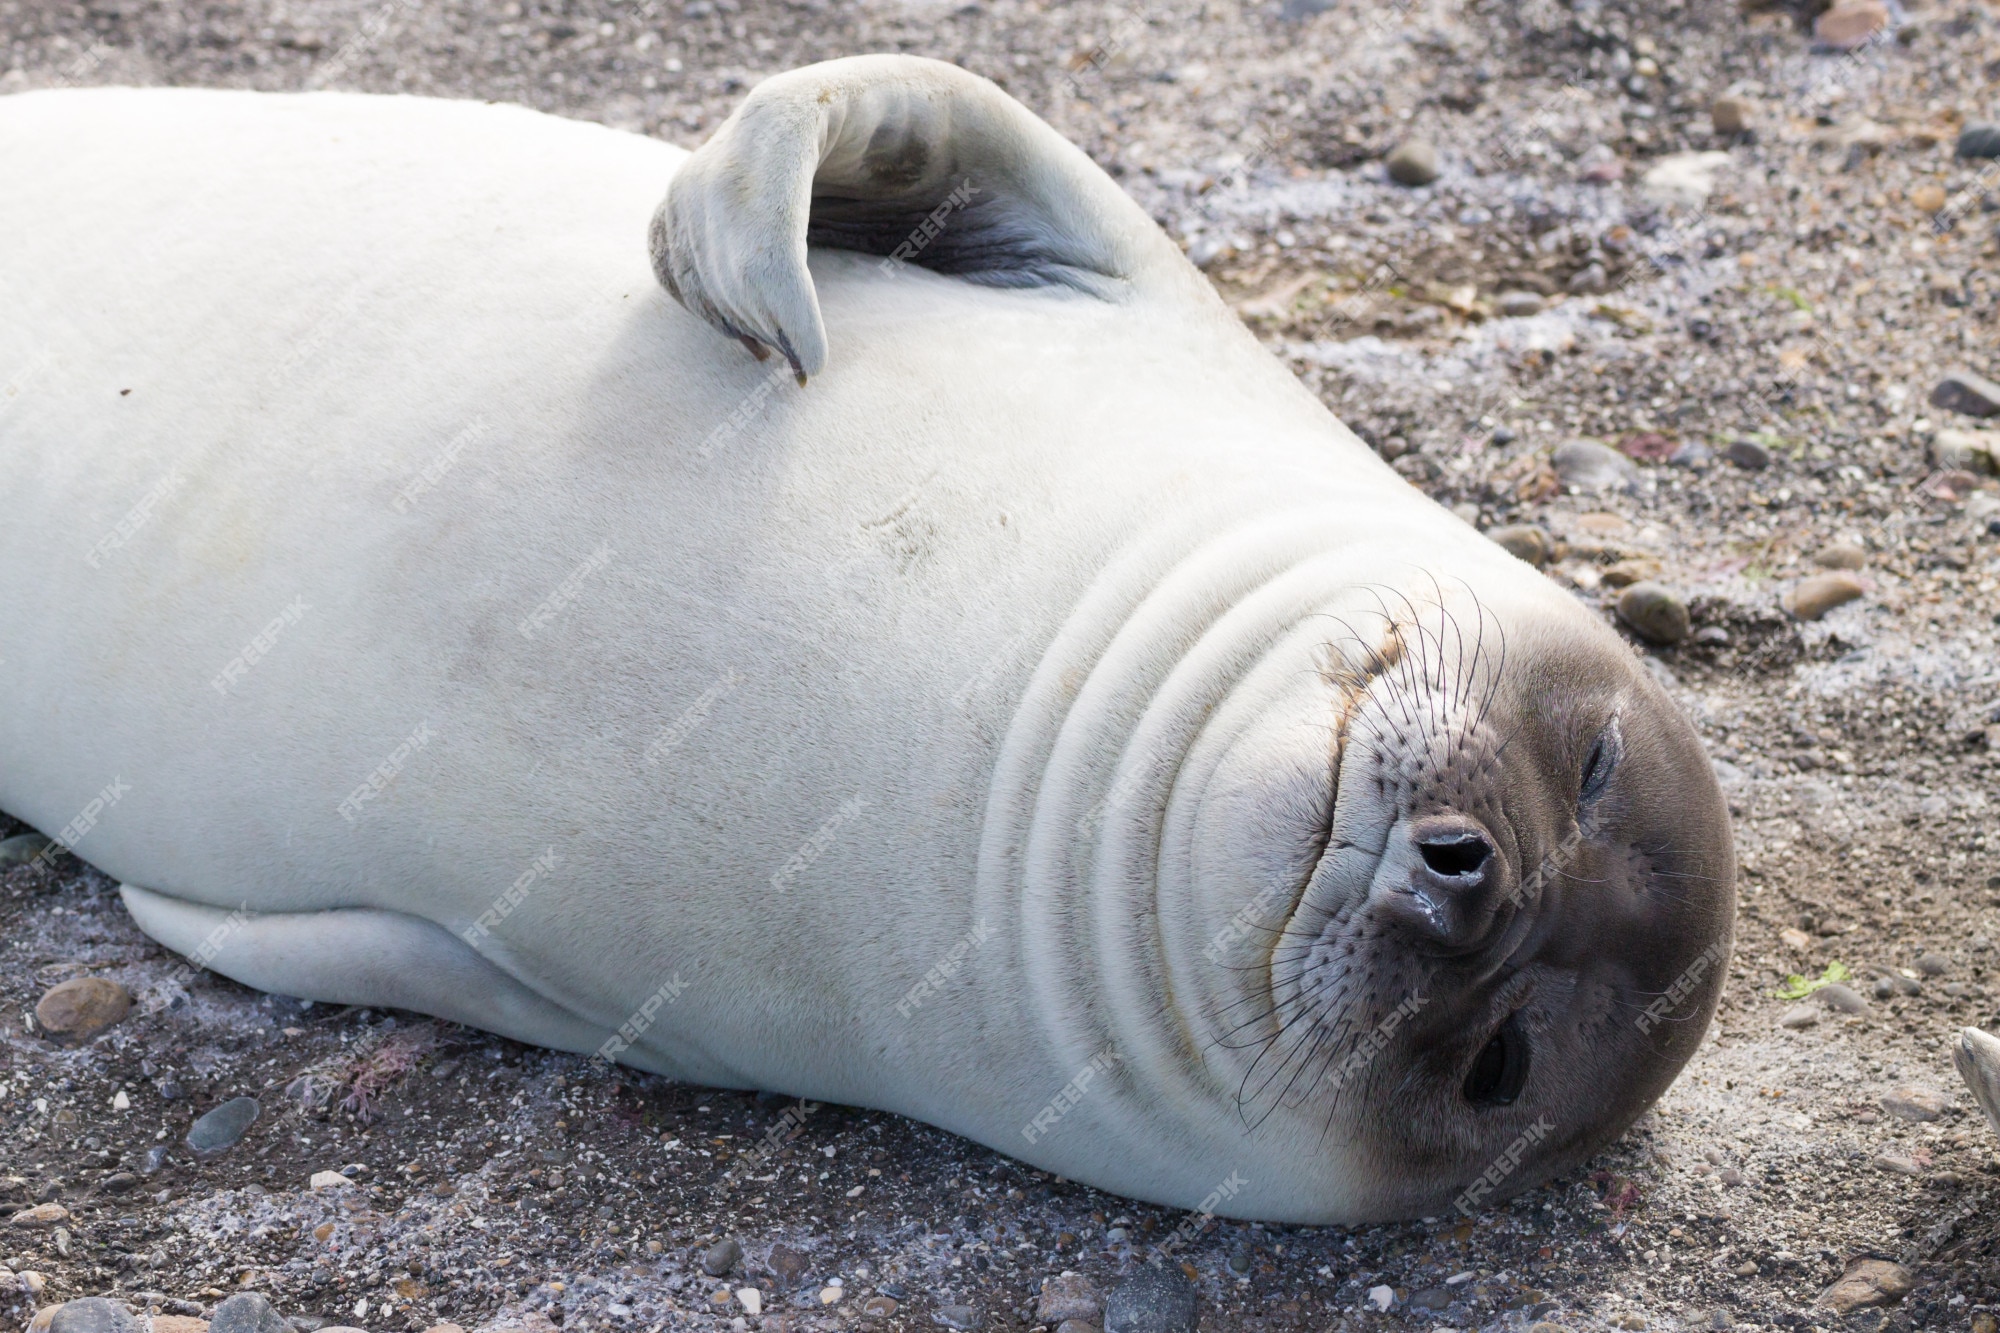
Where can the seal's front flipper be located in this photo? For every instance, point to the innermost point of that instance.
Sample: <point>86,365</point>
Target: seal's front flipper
<point>1977,1056</point>
<point>912,159</point>
<point>361,956</point>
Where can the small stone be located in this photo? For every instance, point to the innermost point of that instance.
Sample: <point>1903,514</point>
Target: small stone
<point>1648,446</point>
<point>93,1314</point>
<point>223,1126</point>
<point>1748,455</point>
<point>1841,999</point>
<point>441,1328</point>
<point>1901,1166</point>
<point>957,1316</point>
<point>1152,1300</point>
<point>787,1265</point>
<point>1713,636</point>
<point>1414,162</point>
<point>1587,465</point>
<point>1589,279</point>
<point>1686,179</point>
<point>118,1182</point>
<point>1731,115</point>
<point>1850,24</point>
<point>1983,1322</point>
<point>1933,965</point>
<point>1518,305</point>
<point>751,1299</point>
<point>1963,391</point>
<point>1072,1297</point>
<point>327,1180</point>
<point>1691,454</point>
<point>21,849</point>
<point>178,1323</point>
<point>1918,1104</point>
<point>1075,1326</point>
<point>1800,1017</point>
<point>1625,573</point>
<point>1654,613</point>
<point>1433,1298</point>
<point>1821,593</point>
<point>83,1007</point>
<point>722,1256</point>
<point>1748,1268</point>
<point>41,1215</point>
<point>1794,938</point>
<point>1381,1297</point>
<point>1867,1283</point>
<point>1523,541</point>
<point>1981,138</point>
<point>1928,198</point>
<point>247,1312</point>
<point>1974,451</point>
<point>878,1307</point>
<point>1840,555</point>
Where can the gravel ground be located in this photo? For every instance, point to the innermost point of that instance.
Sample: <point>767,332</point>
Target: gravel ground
<point>1538,291</point>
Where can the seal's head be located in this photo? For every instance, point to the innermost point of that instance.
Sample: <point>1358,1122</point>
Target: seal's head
<point>1517,921</point>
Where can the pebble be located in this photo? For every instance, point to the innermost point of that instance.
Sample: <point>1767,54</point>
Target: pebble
<point>1069,1297</point>
<point>1649,446</point>
<point>1152,1300</point>
<point>1840,555</point>
<point>92,1314</point>
<point>1981,138</point>
<point>1731,115</point>
<point>1799,1016</point>
<point>1928,198</point>
<point>722,1256</point>
<point>1821,593</point>
<point>1518,305</point>
<point>1683,178</point>
<point>41,1215</point>
<point>1588,465</point>
<point>787,1265</point>
<point>957,1316</point>
<point>1654,612</point>
<point>1435,1298</point>
<point>83,1006</point>
<point>1075,1326</point>
<point>1963,391</point>
<point>1415,162</point>
<point>751,1299</point>
<point>878,1307</point>
<point>1794,938</point>
<point>1523,541</point>
<point>1381,1297</point>
<point>1587,280</point>
<point>1625,573</point>
<point>1848,25</point>
<point>1933,965</point>
<point>1901,1166</point>
<point>1865,1284</point>
<point>21,849</point>
<point>1918,1104</point>
<point>1842,999</point>
<point>1966,450</point>
<point>246,1312</point>
<point>327,1180</point>
<point>1748,455</point>
<point>223,1126</point>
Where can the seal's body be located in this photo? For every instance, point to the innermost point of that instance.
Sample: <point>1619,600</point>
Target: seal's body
<point>1044,723</point>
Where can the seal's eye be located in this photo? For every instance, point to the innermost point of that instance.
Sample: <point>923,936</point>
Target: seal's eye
<point>1598,766</point>
<point>1500,1069</point>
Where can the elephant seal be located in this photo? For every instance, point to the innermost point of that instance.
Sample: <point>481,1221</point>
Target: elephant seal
<point>1048,723</point>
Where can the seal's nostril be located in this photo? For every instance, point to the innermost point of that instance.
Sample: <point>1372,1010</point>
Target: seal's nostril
<point>1457,856</point>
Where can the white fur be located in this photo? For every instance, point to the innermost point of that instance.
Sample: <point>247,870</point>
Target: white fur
<point>1014,556</point>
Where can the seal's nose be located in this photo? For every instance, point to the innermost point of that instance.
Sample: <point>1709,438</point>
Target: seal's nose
<point>1453,886</point>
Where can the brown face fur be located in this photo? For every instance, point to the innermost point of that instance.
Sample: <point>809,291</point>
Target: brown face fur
<point>1531,861</point>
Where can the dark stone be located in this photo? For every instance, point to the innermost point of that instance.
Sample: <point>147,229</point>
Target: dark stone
<point>1152,1300</point>
<point>1748,454</point>
<point>722,1256</point>
<point>246,1312</point>
<point>1979,139</point>
<point>92,1314</point>
<point>223,1126</point>
<point>1963,391</point>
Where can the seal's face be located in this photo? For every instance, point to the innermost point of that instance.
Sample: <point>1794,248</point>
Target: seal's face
<point>1524,906</point>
